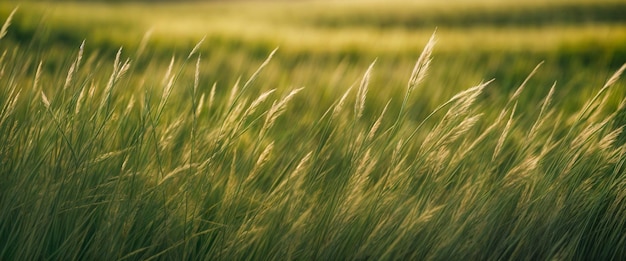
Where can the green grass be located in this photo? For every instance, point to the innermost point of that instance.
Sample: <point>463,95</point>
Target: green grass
<point>216,152</point>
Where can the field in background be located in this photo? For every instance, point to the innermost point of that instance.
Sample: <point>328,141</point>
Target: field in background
<point>485,39</point>
<point>190,143</point>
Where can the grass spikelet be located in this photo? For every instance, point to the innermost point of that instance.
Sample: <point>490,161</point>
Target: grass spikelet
<point>168,73</point>
<point>263,157</point>
<point>339,106</point>
<point>113,77</point>
<point>504,135</point>
<point>79,101</point>
<point>443,135</point>
<point>196,47</point>
<point>548,98</point>
<point>376,125</point>
<point>607,141</point>
<point>584,136</point>
<point>357,185</point>
<point>256,73</point>
<point>519,90</point>
<point>116,63</point>
<point>277,109</point>
<point>92,90</point>
<point>123,68</point>
<point>165,140</point>
<point>421,66</point>
<point>301,222</point>
<point>233,92</point>
<point>176,171</point>
<point>230,124</point>
<point>522,171</point>
<point>200,104</point>
<point>7,23</point>
<point>75,65</point>
<point>417,75</point>
<point>615,76</point>
<point>168,82</point>
<point>591,104</point>
<point>144,42</point>
<point>68,79</point>
<point>212,95</point>
<point>129,107</point>
<point>196,76</point>
<point>480,138</point>
<point>471,92</point>
<point>37,76</point>
<point>469,97</point>
<point>365,167</point>
<point>119,69</point>
<point>10,106</point>
<point>45,100</point>
<point>297,172</point>
<point>108,155</point>
<point>302,164</point>
<point>79,57</point>
<point>541,118</point>
<point>465,100</point>
<point>359,105</point>
<point>2,65</point>
<point>281,105</point>
<point>253,106</point>
<point>437,159</point>
<point>463,127</point>
<point>295,176</point>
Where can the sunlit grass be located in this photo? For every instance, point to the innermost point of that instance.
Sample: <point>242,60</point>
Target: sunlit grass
<point>214,154</point>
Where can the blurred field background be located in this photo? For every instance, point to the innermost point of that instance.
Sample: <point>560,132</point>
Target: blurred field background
<point>187,143</point>
<point>581,42</point>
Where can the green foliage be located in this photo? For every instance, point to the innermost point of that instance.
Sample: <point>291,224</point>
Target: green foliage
<point>134,155</point>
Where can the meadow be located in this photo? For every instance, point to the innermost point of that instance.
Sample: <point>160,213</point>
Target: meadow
<point>313,130</point>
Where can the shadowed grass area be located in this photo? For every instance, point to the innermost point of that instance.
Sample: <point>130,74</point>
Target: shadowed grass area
<point>168,151</point>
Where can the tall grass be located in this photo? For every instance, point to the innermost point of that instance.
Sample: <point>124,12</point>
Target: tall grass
<point>101,162</point>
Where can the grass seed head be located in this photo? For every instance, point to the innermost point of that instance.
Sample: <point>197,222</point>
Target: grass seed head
<point>359,105</point>
<point>7,23</point>
<point>339,106</point>
<point>421,66</point>
<point>504,135</point>
<point>377,123</point>
<point>615,76</point>
<point>212,95</point>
